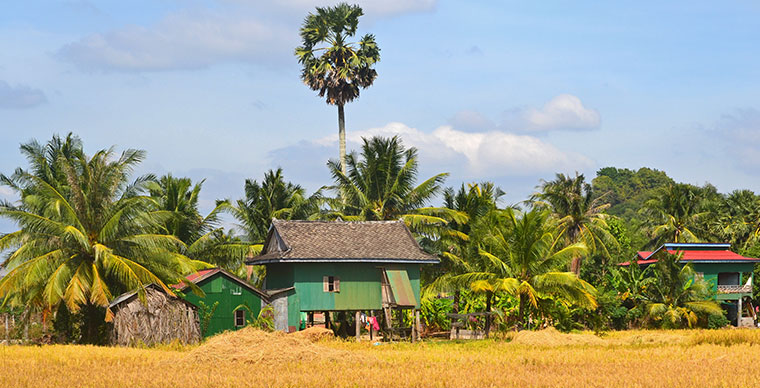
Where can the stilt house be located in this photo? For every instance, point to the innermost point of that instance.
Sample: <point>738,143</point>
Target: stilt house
<point>730,274</point>
<point>351,267</point>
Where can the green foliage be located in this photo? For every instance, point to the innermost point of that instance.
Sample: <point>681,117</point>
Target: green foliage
<point>717,321</point>
<point>433,313</point>
<point>205,313</point>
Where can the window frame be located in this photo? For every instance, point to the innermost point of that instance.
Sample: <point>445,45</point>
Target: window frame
<point>235,318</point>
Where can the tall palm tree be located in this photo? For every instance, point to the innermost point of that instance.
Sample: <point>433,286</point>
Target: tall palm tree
<point>381,185</point>
<point>581,215</point>
<point>736,218</point>
<point>85,239</point>
<point>521,256</point>
<point>674,215</point>
<point>180,197</point>
<point>676,296</point>
<point>343,67</point>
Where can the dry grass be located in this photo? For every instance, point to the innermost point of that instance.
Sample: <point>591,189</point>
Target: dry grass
<point>548,359</point>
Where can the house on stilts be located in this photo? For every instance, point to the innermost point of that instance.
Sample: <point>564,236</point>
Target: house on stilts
<point>342,271</point>
<point>729,274</point>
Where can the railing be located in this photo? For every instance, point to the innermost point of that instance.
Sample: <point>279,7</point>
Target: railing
<point>734,289</point>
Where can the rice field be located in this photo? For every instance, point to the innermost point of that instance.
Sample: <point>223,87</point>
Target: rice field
<point>533,359</point>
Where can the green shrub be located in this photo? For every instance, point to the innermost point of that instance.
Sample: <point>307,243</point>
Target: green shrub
<point>717,321</point>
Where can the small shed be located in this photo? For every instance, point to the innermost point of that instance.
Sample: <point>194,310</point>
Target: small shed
<point>160,318</point>
<point>339,266</point>
<point>225,291</point>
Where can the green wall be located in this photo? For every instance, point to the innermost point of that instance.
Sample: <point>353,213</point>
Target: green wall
<point>229,294</point>
<point>711,271</point>
<point>360,286</point>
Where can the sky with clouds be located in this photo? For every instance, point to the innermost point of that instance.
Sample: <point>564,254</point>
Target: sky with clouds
<point>511,92</point>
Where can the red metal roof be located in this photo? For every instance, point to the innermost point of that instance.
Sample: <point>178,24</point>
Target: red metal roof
<point>192,277</point>
<point>696,256</point>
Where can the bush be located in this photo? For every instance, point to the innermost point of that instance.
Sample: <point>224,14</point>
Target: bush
<point>717,321</point>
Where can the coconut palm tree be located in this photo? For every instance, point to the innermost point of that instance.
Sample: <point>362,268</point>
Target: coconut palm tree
<point>520,255</point>
<point>677,296</point>
<point>333,65</point>
<point>85,239</point>
<point>581,215</point>
<point>674,215</point>
<point>274,197</point>
<point>203,237</point>
<point>381,185</point>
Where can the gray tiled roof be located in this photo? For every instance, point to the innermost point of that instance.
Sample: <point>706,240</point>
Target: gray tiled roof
<point>341,241</point>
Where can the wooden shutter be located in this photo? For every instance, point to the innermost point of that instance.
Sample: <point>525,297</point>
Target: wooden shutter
<point>326,283</point>
<point>336,284</point>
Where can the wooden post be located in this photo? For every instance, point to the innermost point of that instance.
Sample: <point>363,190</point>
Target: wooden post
<point>739,313</point>
<point>327,319</point>
<point>415,334</point>
<point>311,318</point>
<point>358,324</point>
<point>417,324</point>
<point>371,327</point>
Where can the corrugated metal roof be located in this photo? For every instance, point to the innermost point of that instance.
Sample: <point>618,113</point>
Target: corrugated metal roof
<point>202,275</point>
<point>341,241</point>
<point>695,253</point>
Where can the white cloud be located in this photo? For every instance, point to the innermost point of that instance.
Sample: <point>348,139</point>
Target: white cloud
<point>236,31</point>
<point>183,41</point>
<point>491,153</point>
<point>563,112</point>
<point>20,96</point>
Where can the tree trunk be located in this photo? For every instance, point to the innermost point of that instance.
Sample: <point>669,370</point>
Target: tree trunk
<point>575,266</point>
<point>521,311</point>
<point>489,295</point>
<point>456,301</point>
<point>342,138</point>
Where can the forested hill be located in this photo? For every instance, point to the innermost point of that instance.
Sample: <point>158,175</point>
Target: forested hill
<point>647,199</point>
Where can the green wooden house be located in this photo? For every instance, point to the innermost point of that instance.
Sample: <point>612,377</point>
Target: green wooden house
<point>730,274</point>
<point>351,267</point>
<point>229,292</point>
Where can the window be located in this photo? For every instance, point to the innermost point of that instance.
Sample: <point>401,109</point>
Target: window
<point>330,284</point>
<point>239,318</point>
<point>236,290</point>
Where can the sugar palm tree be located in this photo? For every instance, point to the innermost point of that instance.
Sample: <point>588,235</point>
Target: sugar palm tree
<point>581,215</point>
<point>677,296</point>
<point>381,185</point>
<point>521,256</point>
<point>333,65</point>
<point>82,241</point>
<point>674,215</point>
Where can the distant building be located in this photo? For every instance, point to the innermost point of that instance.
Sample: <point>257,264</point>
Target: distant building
<point>228,292</point>
<point>730,274</point>
<point>349,267</point>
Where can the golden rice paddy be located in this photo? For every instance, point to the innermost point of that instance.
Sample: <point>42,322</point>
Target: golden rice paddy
<point>527,359</point>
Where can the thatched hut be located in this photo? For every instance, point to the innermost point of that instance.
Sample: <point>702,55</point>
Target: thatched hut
<point>160,318</point>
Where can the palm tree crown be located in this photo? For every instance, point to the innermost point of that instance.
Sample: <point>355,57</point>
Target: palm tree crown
<point>343,67</point>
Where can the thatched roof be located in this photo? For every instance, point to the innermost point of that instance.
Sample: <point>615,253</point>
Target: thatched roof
<point>341,241</point>
<point>129,296</point>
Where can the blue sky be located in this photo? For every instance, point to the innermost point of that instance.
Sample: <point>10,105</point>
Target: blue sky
<point>505,91</point>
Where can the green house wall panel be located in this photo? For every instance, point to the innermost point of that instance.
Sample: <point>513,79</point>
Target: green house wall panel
<point>360,286</point>
<point>711,271</point>
<point>229,294</point>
